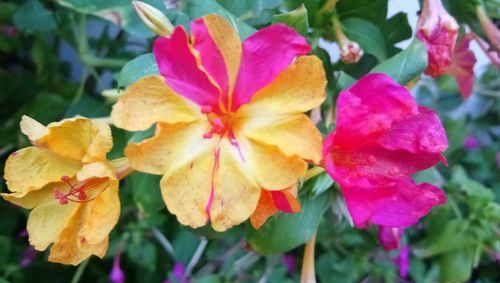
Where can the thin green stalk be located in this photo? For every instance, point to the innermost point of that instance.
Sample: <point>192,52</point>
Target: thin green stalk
<point>79,271</point>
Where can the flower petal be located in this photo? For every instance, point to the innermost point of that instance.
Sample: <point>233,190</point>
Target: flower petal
<point>265,209</point>
<point>30,199</point>
<point>171,147</point>
<point>46,221</point>
<point>187,78</point>
<point>150,100</point>
<point>376,96</point>
<point>286,201</point>
<point>103,215</point>
<point>299,88</point>
<point>220,50</point>
<point>32,128</point>
<point>79,139</point>
<point>186,190</point>
<point>269,166</point>
<point>292,134</point>
<point>462,66</point>
<point>400,203</point>
<point>70,248</point>
<point>235,192</point>
<point>32,168</point>
<point>265,54</point>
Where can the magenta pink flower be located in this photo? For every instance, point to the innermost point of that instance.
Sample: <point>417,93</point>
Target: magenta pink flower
<point>403,261</point>
<point>390,237</point>
<point>438,31</point>
<point>462,66</point>
<point>382,137</point>
<point>470,142</point>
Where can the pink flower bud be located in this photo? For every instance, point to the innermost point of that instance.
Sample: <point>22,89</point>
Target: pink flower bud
<point>389,237</point>
<point>350,52</point>
<point>403,261</point>
<point>116,275</point>
<point>438,31</point>
<point>470,142</point>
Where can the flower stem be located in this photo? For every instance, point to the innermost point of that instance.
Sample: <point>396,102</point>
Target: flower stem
<point>308,274</point>
<point>79,272</point>
<point>164,242</point>
<point>196,256</point>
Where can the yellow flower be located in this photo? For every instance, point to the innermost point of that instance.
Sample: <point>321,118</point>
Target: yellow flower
<point>229,118</point>
<point>70,187</point>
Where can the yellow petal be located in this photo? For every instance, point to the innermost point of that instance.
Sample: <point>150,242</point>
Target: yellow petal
<point>272,169</point>
<point>32,128</point>
<point>32,168</point>
<point>70,247</point>
<point>96,170</point>
<point>103,215</point>
<point>78,139</point>
<point>171,147</point>
<point>228,42</point>
<point>292,134</point>
<point>299,88</point>
<point>236,194</point>
<point>150,100</point>
<point>46,221</point>
<point>187,189</point>
<point>30,199</point>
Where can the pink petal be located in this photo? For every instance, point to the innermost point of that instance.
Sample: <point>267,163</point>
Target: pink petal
<point>400,203</point>
<point>265,54</point>
<point>420,133</point>
<point>281,201</point>
<point>462,66</point>
<point>211,57</point>
<point>179,66</point>
<point>376,96</point>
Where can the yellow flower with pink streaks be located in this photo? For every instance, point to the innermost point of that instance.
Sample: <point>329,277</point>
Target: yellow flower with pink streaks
<point>69,185</point>
<point>229,118</point>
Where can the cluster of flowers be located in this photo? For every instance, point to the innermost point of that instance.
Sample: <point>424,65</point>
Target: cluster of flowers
<point>231,141</point>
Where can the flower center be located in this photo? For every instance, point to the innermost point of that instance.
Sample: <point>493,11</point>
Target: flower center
<point>77,192</point>
<point>219,124</point>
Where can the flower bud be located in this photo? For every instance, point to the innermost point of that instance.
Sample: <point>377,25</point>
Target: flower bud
<point>490,29</point>
<point>153,18</point>
<point>438,31</point>
<point>350,52</point>
<point>389,237</point>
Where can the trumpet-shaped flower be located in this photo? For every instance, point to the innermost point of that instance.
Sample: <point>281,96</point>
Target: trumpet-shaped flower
<point>389,237</point>
<point>438,31</point>
<point>70,187</point>
<point>381,138</point>
<point>229,118</point>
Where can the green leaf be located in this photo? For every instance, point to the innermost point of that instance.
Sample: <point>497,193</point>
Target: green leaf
<point>296,19</point>
<point>5,248</point>
<point>142,252</point>
<point>199,8</point>
<point>367,35</point>
<point>321,183</point>
<point>284,231</point>
<point>89,107</point>
<point>33,17</point>
<point>137,68</point>
<point>406,65</point>
<point>374,11</point>
<point>472,188</point>
<point>453,235</point>
<point>146,191</point>
<point>456,266</point>
<point>396,29</point>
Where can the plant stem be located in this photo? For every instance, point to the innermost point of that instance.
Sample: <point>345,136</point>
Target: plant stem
<point>79,271</point>
<point>308,274</point>
<point>196,256</point>
<point>167,246</point>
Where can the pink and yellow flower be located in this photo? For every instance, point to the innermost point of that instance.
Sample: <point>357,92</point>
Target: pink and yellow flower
<point>381,138</point>
<point>229,118</point>
<point>70,187</point>
<point>438,30</point>
<point>272,202</point>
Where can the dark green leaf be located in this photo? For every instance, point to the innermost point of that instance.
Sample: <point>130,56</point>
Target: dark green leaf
<point>146,192</point>
<point>371,10</point>
<point>137,68</point>
<point>456,266</point>
<point>396,29</point>
<point>284,232</point>
<point>406,65</point>
<point>296,19</point>
<point>34,17</point>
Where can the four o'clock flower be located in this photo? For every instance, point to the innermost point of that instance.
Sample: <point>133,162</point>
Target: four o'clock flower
<point>389,237</point>
<point>462,66</point>
<point>381,138</point>
<point>438,31</point>
<point>69,185</point>
<point>271,202</point>
<point>229,118</point>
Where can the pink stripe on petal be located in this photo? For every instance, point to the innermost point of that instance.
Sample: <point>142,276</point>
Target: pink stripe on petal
<point>265,54</point>
<point>179,66</point>
<point>210,201</point>
<point>211,57</point>
<point>281,201</point>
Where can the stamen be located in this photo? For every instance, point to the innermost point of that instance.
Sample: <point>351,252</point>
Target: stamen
<point>76,193</point>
